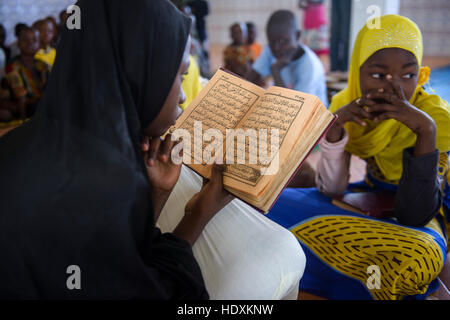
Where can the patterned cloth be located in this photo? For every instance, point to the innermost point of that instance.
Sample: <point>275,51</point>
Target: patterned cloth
<point>238,59</point>
<point>25,82</point>
<point>345,250</point>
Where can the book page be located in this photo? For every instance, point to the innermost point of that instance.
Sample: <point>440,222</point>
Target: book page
<point>283,110</point>
<point>221,105</point>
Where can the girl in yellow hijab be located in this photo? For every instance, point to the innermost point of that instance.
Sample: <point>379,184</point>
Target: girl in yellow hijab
<point>415,111</point>
<point>387,119</point>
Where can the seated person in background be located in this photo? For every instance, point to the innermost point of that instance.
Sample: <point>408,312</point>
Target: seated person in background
<point>46,52</point>
<point>191,83</point>
<point>2,63</point>
<point>291,64</point>
<point>15,51</point>
<point>237,56</point>
<point>56,34</point>
<point>191,79</point>
<point>7,106</point>
<point>26,75</point>
<point>254,46</point>
<point>63,15</point>
<point>315,26</point>
<point>387,119</point>
<point>3,47</point>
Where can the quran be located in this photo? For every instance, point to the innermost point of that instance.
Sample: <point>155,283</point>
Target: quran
<point>262,136</point>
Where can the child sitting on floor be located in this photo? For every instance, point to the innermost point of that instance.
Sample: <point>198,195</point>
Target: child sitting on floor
<point>387,119</point>
<point>238,56</point>
<point>291,64</point>
<point>46,52</point>
<point>26,76</point>
<point>254,46</point>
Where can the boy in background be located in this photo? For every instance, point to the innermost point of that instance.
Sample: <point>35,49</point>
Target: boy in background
<point>291,64</point>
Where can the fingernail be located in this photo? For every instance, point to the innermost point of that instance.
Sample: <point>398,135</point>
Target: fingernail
<point>380,90</point>
<point>150,163</point>
<point>369,96</point>
<point>389,77</point>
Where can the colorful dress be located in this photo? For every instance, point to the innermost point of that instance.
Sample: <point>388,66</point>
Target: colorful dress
<point>352,256</point>
<point>238,59</point>
<point>26,83</point>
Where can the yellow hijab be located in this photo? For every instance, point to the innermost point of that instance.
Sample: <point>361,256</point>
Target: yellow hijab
<point>387,140</point>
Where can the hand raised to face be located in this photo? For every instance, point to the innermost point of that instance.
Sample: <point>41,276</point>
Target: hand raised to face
<point>394,105</point>
<point>162,171</point>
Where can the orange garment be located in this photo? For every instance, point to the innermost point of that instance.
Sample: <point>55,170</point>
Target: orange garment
<point>238,59</point>
<point>256,50</point>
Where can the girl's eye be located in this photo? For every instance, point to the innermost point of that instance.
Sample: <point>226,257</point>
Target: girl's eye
<point>377,75</point>
<point>409,76</point>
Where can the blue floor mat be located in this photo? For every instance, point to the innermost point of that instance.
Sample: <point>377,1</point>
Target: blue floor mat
<point>440,82</point>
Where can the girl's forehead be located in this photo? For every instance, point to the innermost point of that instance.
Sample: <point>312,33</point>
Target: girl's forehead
<point>392,56</point>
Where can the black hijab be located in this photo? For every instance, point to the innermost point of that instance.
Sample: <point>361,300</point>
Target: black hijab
<point>73,185</point>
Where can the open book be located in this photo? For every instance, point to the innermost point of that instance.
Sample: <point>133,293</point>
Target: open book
<point>262,136</point>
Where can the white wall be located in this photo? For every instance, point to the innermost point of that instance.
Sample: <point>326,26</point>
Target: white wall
<point>360,15</point>
<point>433,19</point>
<point>28,11</point>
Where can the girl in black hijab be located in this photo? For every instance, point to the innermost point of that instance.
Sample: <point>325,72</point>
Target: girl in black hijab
<point>78,187</point>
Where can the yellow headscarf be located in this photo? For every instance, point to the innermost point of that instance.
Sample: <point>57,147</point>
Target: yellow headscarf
<point>387,140</point>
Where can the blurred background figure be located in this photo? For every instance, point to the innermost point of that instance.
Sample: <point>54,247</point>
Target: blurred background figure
<point>252,34</point>
<point>315,28</point>
<point>200,9</point>
<point>54,42</point>
<point>15,51</point>
<point>238,57</point>
<point>26,76</point>
<point>46,52</point>
<point>4,49</point>
<point>63,15</point>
